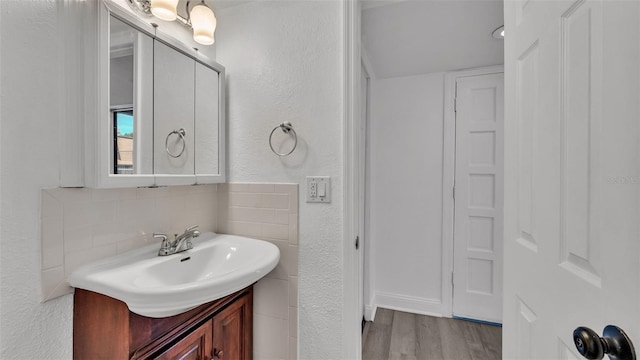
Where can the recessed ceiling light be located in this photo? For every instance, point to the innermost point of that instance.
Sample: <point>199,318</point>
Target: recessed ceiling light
<point>498,33</point>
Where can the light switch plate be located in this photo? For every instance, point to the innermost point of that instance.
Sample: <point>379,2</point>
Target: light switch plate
<point>315,185</point>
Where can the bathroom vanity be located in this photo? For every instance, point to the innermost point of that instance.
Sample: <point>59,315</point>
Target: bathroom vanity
<point>196,304</point>
<point>104,328</point>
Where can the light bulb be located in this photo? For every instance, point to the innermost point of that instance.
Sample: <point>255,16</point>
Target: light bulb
<point>203,22</point>
<point>165,9</point>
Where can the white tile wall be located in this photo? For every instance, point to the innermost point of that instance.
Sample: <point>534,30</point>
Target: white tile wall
<point>268,212</point>
<point>83,225</point>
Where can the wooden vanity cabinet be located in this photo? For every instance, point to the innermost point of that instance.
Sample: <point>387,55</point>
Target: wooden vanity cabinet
<point>194,346</point>
<point>104,328</point>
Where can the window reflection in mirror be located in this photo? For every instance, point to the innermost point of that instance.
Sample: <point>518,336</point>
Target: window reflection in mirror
<point>123,144</point>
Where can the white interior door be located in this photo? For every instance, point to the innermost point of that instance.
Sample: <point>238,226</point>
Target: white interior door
<point>477,280</point>
<point>572,166</point>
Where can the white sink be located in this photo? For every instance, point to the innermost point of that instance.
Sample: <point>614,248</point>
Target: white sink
<point>161,286</point>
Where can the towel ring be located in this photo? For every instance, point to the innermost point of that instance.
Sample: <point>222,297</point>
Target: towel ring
<point>286,128</point>
<point>180,133</point>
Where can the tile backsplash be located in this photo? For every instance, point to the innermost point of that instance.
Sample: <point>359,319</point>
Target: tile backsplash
<point>268,212</point>
<point>80,226</point>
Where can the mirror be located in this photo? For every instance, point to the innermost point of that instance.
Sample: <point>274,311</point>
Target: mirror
<point>166,115</point>
<point>130,106</point>
<point>174,102</point>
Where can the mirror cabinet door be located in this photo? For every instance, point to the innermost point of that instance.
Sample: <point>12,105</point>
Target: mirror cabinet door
<point>207,121</point>
<point>173,98</point>
<point>130,101</point>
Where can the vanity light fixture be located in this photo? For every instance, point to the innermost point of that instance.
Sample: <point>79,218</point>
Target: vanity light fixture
<point>203,23</point>
<point>200,18</point>
<point>166,10</point>
<point>498,33</point>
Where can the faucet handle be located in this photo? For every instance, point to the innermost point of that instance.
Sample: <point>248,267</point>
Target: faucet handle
<point>161,236</point>
<point>191,228</point>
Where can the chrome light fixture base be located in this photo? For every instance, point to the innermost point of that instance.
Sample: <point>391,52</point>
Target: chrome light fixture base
<point>140,7</point>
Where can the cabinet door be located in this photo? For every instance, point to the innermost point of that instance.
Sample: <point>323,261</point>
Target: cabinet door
<point>207,122</point>
<point>195,346</point>
<point>173,102</point>
<point>233,331</point>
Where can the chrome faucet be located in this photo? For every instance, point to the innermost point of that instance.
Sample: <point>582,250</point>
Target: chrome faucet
<point>179,244</point>
<point>183,242</point>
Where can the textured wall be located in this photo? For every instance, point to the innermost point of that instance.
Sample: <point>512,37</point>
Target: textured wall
<point>284,63</point>
<point>31,114</point>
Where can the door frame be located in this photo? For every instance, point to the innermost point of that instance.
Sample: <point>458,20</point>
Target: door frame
<point>369,248</point>
<point>363,168</point>
<point>352,336</point>
<point>448,177</point>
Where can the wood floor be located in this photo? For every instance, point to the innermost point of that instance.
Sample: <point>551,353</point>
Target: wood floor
<point>398,335</point>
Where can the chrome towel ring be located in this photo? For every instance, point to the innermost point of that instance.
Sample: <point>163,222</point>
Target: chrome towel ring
<point>286,128</point>
<point>180,133</point>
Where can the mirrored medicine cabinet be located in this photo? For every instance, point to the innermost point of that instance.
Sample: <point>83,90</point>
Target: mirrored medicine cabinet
<point>160,108</point>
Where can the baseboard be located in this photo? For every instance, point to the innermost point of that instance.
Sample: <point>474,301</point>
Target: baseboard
<point>370,312</point>
<point>415,305</point>
<point>479,321</point>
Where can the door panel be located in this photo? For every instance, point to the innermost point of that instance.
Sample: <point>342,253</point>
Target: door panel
<point>195,346</point>
<point>571,228</point>
<point>231,339</point>
<point>477,290</point>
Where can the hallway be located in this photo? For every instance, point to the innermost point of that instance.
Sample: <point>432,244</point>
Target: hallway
<point>400,335</point>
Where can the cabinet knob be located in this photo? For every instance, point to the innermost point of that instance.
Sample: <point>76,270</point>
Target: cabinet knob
<point>218,353</point>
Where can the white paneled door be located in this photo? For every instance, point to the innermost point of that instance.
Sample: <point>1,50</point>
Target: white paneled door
<point>572,173</point>
<point>477,289</point>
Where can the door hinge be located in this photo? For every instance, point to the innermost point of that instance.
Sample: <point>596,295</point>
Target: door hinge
<point>454,193</point>
<point>452,279</point>
<point>357,242</point>
<point>455,104</point>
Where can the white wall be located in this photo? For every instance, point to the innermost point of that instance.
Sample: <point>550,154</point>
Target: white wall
<point>31,115</point>
<point>406,125</point>
<point>284,63</point>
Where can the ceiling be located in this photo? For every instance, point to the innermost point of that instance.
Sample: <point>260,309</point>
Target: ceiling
<point>411,37</point>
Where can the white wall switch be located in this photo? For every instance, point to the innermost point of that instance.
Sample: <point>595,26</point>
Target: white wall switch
<point>319,189</point>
